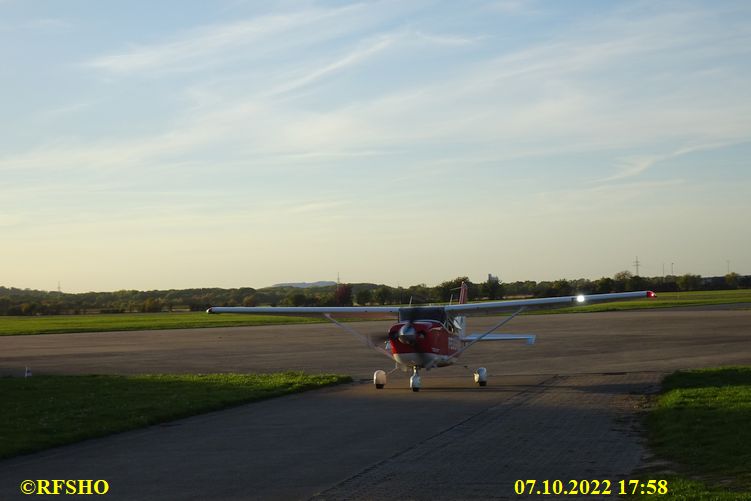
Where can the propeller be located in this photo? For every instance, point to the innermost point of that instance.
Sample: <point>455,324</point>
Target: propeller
<point>407,333</point>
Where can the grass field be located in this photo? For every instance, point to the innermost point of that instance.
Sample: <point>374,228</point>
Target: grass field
<point>702,424</point>
<point>57,324</point>
<point>46,411</point>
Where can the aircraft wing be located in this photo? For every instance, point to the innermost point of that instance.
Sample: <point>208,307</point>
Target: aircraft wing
<point>493,307</point>
<point>327,312</point>
<point>312,311</point>
<point>469,309</point>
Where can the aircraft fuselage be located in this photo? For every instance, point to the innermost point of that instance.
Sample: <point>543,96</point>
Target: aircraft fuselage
<point>423,344</point>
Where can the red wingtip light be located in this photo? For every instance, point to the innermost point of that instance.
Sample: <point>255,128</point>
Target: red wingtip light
<point>651,294</point>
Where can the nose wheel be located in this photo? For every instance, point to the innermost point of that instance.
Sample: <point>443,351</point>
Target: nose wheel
<point>414,381</point>
<point>380,377</point>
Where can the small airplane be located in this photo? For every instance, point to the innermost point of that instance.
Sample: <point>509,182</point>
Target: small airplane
<point>427,337</point>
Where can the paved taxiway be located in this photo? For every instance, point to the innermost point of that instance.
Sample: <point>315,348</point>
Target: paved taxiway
<point>563,408</point>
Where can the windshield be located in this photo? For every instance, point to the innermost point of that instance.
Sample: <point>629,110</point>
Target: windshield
<point>436,313</point>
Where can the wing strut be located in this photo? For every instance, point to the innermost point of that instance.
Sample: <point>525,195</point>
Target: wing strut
<point>362,337</point>
<point>496,326</point>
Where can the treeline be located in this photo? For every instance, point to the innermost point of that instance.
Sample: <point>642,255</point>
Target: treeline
<point>15,301</point>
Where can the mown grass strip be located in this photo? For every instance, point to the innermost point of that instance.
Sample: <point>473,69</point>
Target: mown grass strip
<point>701,423</point>
<point>45,411</point>
<point>59,324</point>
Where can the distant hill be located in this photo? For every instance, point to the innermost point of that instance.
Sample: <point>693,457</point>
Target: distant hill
<point>306,285</point>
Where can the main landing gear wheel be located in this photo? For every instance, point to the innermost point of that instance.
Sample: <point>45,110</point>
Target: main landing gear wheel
<point>379,379</point>
<point>414,381</point>
<point>481,376</point>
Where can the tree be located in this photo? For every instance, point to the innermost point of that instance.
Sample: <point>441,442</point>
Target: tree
<point>328,299</point>
<point>382,295</point>
<point>604,285</point>
<point>447,289</point>
<point>294,299</point>
<point>420,293</point>
<point>620,280</point>
<point>492,288</point>
<point>668,284</point>
<point>520,289</point>
<point>636,283</point>
<point>363,297</point>
<point>343,295</point>
<point>152,305</point>
<point>689,282</point>
<point>731,280</point>
<point>561,287</point>
<point>29,308</point>
<point>312,301</point>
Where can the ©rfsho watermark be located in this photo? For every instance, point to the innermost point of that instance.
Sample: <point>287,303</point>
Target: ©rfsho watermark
<point>69,487</point>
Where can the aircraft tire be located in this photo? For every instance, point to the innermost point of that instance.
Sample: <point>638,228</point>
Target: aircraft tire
<point>483,383</point>
<point>415,389</point>
<point>379,386</point>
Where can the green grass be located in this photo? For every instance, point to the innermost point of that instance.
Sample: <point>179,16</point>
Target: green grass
<point>702,423</point>
<point>685,489</point>
<point>46,411</point>
<point>663,300</point>
<point>57,324</point>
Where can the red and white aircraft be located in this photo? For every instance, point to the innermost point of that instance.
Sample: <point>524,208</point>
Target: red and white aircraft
<point>427,337</point>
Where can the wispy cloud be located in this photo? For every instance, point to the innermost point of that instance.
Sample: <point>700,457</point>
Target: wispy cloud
<point>200,47</point>
<point>339,64</point>
<point>636,166</point>
<point>538,100</point>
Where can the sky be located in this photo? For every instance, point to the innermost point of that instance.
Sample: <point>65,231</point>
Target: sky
<point>177,144</point>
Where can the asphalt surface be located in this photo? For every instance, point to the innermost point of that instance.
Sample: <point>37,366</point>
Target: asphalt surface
<point>565,408</point>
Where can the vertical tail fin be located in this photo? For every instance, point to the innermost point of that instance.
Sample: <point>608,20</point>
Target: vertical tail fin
<point>463,293</point>
<point>461,322</point>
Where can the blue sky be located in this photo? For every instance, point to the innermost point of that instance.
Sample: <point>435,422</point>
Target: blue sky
<point>192,144</point>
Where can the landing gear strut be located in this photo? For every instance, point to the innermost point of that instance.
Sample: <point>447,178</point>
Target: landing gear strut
<point>414,381</point>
